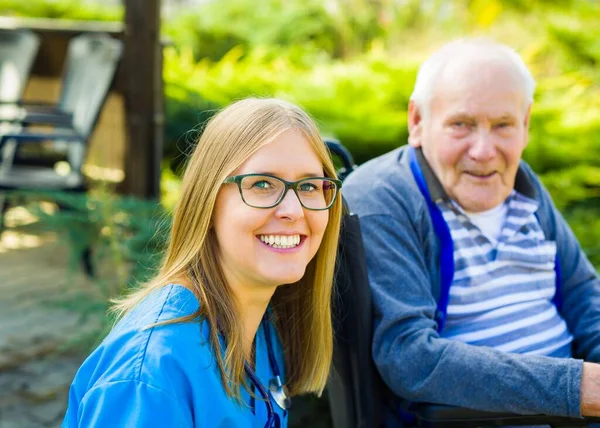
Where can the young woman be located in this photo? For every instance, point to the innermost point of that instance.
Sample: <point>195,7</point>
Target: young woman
<point>238,318</point>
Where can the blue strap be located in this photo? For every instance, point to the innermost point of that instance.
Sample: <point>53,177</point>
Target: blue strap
<point>558,297</point>
<point>446,245</point>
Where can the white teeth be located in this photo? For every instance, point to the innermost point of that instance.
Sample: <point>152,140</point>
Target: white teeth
<point>281,241</point>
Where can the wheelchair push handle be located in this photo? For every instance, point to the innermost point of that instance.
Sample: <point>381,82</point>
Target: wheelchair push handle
<point>344,156</point>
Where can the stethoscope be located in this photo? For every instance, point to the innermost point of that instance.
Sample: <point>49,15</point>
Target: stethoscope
<point>275,385</point>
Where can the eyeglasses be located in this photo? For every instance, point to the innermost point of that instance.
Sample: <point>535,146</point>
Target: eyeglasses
<point>267,191</point>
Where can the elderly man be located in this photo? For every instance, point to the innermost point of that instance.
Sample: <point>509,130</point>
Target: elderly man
<point>482,295</point>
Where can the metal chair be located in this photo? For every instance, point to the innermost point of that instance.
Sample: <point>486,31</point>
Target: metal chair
<point>52,160</point>
<point>18,49</point>
<point>90,67</point>
<point>358,398</point>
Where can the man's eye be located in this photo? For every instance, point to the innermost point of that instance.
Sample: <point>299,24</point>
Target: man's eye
<point>503,125</point>
<point>459,124</point>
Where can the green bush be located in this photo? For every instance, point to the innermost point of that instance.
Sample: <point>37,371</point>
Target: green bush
<point>362,102</point>
<point>212,30</point>
<point>61,9</point>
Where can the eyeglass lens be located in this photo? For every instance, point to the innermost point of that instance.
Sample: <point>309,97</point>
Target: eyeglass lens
<point>265,191</point>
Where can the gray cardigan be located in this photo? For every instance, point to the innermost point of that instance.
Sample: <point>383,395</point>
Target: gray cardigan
<point>402,254</point>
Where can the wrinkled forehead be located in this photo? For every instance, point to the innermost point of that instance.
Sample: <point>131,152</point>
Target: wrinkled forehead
<point>479,87</point>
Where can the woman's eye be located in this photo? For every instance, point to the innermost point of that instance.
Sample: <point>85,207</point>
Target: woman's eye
<point>262,184</point>
<point>308,187</point>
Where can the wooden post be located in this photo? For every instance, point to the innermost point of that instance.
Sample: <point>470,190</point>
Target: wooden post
<point>142,71</point>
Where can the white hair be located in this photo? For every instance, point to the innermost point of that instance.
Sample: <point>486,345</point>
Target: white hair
<point>467,50</point>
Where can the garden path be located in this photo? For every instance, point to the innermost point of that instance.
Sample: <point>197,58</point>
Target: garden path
<point>35,367</point>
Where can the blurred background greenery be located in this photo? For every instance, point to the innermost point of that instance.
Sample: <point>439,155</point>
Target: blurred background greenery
<point>352,65</point>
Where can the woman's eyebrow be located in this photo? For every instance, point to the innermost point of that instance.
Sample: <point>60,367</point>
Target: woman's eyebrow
<point>298,177</point>
<point>312,174</point>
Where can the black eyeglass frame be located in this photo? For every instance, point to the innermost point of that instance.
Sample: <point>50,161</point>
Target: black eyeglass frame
<point>237,179</point>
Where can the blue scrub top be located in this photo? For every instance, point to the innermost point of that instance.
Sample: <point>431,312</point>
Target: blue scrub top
<point>164,376</point>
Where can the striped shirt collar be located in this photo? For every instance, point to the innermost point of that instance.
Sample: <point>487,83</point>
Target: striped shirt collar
<point>523,183</point>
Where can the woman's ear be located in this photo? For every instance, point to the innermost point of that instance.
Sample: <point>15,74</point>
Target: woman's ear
<point>415,125</point>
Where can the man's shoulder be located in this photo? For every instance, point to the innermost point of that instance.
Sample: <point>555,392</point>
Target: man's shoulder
<point>528,183</point>
<point>382,184</point>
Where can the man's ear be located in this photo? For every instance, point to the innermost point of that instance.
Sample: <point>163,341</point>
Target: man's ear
<point>527,117</point>
<point>415,125</point>
<point>526,124</point>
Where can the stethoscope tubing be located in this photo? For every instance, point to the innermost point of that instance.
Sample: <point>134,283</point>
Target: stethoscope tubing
<point>272,417</point>
<point>272,360</point>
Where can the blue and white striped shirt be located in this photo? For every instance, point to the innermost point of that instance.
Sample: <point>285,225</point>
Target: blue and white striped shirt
<point>501,294</point>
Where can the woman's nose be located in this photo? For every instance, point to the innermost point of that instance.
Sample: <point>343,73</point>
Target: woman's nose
<point>290,207</point>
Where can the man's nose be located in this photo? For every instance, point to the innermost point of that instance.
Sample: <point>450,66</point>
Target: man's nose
<point>290,207</point>
<point>483,147</point>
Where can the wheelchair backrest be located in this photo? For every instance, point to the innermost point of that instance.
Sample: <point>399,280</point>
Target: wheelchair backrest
<point>354,388</point>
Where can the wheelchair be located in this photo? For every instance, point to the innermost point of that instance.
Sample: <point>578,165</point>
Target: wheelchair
<point>358,398</point>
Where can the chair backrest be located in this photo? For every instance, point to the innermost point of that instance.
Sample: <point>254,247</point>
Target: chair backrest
<point>342,153</point>
<point>90,67</point>
<point>18,49</point>
<point>354,387</point>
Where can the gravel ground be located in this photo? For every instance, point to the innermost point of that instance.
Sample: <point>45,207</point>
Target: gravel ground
<point>34,394</point>
<point>35,369</point>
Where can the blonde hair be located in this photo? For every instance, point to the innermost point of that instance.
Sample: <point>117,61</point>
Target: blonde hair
<point>302,311</point>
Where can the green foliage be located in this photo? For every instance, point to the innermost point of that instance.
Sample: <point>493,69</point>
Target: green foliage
<point>362,102</point>
<point>585,222</point>
<point>361,96</point>
<point>126,235</point>
<point>213,30</point>
<point>63,9</point>
<point>352,65</point>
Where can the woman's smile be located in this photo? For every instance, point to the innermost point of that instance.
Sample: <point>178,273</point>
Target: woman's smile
<point>282,243</point>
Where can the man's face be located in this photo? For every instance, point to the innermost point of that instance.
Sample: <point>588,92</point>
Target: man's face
<point>474,134</point>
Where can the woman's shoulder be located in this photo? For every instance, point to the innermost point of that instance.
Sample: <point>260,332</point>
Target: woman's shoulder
<point>163,304</point>
<point>138,350</point>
